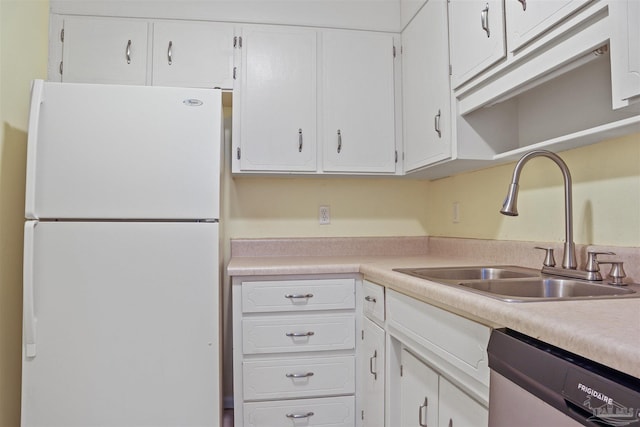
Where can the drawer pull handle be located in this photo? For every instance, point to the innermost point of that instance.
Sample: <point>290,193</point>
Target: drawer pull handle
<point>298,416</point>
<point>371,359</point>
<point>305,375</point>
<point>300,334</point>
<point>298,296</point>
<point>370,299</point>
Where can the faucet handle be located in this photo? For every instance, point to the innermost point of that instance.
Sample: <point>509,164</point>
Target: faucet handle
<point>617,273</point>
<point>592,260</point>
<point>549,260</point>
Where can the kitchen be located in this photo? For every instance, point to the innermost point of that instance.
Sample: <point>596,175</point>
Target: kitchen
<point>606,192</point>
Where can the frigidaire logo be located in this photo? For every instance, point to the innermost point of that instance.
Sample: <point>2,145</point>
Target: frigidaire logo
<point>191,102</point>
<point>595,393</point>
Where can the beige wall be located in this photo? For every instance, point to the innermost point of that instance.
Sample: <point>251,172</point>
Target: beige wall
<point>23,57</point>
<point>606,198</point>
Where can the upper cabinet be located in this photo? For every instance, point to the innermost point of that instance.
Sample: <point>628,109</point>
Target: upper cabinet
<point>425,87</point>
<point>625,58</point>
<point>196,54</point>
<point>476,30</point>
<point>139,52</point>
<point>99,50</point>
<point>358,114</point>
<point>275,102</point>
<point>314,101</point>
<point>528,19</point>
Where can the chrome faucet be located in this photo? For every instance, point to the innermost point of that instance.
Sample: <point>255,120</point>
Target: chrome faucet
<point>510,202</point>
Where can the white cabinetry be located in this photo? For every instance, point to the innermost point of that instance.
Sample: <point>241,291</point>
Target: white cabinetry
<point>294,351</point>
<point>476,31</point>
<point>425,87</point>
<point>289,120</point>
<point>418,392</point>
<point>197,54</point>
<point>137,51</point>
<point>435,349</point>
<point>625,56</point>
<point>527,20</point>
<point>276,108</point>
<point>358,119</point>
<point>372,357</point>
<point>103,50</point>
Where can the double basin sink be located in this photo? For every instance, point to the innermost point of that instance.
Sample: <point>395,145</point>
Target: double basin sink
<point>519,284</point>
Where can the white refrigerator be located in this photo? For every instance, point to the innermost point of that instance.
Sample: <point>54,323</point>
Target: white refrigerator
<point>121,323</point>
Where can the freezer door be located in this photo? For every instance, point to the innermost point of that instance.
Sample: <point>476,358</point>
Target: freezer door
<point>109,151</point>
<point>121,325</point>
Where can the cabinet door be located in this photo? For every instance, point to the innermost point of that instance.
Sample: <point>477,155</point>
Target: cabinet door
<point>277,129</point>
<point>625,52</point>
<point>527,19</point>
<point>476,30</point>
<point>104,50</point>
<point>426,94</point>
<point>419,392</point>
<point>193,54</point>
<point>372,370</point>
<point>358,132</point>
<point>457,409</point>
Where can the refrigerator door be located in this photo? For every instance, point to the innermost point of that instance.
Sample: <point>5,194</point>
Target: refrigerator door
<point>121,324</point>
<point>135,152</point>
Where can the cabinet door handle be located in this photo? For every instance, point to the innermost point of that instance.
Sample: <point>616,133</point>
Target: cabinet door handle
<point>370,299</point>
<point>524,4</point>
<point>300,140</point>
<point>450,422</point>
<point>421,410</point>
<point>484,19</point>
<point>436,124</point>
<point>305,375</point>
<point>300,334</point>
<point>128,52</point>
<point>170,53</point>
<point>371,359</point>
<point>298,296</point>
<point>298,416</point>
<point>339,141</point>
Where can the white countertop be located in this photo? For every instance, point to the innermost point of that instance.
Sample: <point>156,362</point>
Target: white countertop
<point>606,331</point>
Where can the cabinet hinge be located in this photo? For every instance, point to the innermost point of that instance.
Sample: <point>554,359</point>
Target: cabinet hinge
<point>60,68</point>
<point>62,35</point>
<point>237,42</point>
<point>238,153</point>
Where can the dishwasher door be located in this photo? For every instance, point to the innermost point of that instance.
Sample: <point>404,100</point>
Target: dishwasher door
<point>534,384</point>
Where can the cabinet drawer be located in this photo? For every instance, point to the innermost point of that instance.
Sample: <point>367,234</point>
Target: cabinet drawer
<point>298,333</point>
<point>373,305</point>
<point>298,295</point>
<point>458,341</point>
<point>298,377</point>
<point>326,412</point>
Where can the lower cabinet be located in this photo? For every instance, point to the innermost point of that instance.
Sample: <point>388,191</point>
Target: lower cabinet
<point>372,374</point>
<point>294,353</point>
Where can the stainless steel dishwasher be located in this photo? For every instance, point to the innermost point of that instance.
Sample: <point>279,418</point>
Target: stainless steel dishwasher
<point>534,384</point>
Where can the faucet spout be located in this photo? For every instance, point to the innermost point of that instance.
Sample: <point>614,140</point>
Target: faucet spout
<point>510,203</point>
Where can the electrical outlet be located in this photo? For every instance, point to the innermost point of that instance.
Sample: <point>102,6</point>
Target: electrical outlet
<point>324,215</point>
<point>455,214</point>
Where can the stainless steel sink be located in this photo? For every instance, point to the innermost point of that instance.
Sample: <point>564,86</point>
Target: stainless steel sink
<point>457,274</point>
<point>519,284</point>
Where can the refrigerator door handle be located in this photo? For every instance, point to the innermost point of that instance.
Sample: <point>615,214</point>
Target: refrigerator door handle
<point>37,88</point>
<point>29,317</point>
